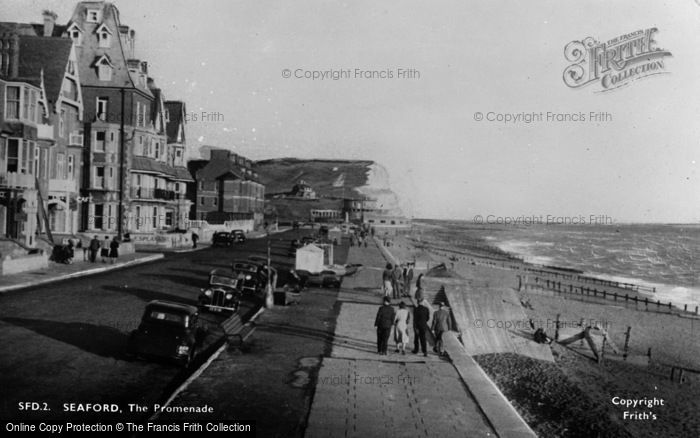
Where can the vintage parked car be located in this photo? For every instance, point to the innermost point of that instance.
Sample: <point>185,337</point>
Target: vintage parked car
<point>226,238</point>
<point>325,278</point>
<point>223,293</point>
<point>168,330</point>
<point>238,236</point>
<point>252,282</point>
<point>222,238</point>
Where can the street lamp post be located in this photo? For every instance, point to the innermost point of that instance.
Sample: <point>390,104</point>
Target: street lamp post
<point>269,298</point>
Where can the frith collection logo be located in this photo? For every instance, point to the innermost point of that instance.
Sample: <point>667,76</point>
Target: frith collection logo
<point>615,63</point>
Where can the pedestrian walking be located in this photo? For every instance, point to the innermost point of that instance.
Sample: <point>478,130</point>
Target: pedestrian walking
<point>419,295</point>
<point>195,238</point>
<point>384,322</point>
<point>94,247</point>
<point>386,280</point>
<point>104,250</point>
<point>397,281</point>
<point>401,322</point>
<point>113,250</point>
<point>407,278</point>
<point>421,316</point>
<point>441,323</point>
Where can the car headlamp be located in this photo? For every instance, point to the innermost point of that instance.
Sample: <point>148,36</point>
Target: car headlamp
<point>248,277</point>
<point>229,296</point>
<point>208,292</point>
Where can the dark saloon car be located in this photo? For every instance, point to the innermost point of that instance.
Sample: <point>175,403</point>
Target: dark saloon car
<point>238,236</point>
<point>251,280</point>
<point>168,330</point>
<point>223,293</point>
<point>222,238</point>
<point>225,238</point>
<point>323,279</point>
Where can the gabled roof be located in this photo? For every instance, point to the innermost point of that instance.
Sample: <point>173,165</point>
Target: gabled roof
<point>217,169</point>
<point>74,25</point>
<point>146,164</point>
<point>98,60</point>
<point>104,26</point>
<point>48,54</point>
<point>121,76</point>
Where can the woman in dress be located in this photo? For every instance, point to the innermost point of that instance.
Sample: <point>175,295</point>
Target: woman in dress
<point>113,250</point>
<point>402,321</point>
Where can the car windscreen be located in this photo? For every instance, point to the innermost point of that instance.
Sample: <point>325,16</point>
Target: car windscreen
<point>165,316</point>
<point>226,281</point>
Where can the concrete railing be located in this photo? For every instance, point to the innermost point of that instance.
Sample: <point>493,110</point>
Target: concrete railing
<point>500,413</point>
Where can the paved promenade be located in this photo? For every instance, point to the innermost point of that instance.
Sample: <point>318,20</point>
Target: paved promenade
<point>359,393</point>
<point>79,268</point>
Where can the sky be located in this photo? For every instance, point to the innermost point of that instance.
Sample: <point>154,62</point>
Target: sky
<point>229,58</point>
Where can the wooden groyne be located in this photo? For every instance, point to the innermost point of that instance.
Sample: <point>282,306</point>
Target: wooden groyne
<point>600,293</point>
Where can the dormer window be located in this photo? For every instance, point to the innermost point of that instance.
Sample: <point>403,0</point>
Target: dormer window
<point>76,34</point>
<point>93,16</point>
<point>104,36</point>
<point>104,68</point>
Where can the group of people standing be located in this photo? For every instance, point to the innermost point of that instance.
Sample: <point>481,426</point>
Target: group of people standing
<point>359,238</point>
<point>396,280</point>
<point>389,318</point>
<point>108,249</point>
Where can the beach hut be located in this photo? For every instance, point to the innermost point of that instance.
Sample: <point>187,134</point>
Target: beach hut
<point>309,258</point>
<point>335,234</point>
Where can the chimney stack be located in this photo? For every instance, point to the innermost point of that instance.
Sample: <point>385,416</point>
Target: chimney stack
<point>13,68</point>
<point>49,22</point>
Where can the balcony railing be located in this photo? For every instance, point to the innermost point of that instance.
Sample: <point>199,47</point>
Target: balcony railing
<point>160,194</point>
<point>14,179</point>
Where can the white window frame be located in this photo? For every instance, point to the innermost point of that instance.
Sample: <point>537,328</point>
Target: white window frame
<point>93,16</point>
<point>17,101</point>
<point>99,183</point>
<point>62,123</point>
<point>104,71</point>
<point>77,36</point>
<point>28,103</point>
<point>103,142</point>
<point>101,102</point>
<point>71,167</point>
<point>60,165</point>
<point>104,39</point>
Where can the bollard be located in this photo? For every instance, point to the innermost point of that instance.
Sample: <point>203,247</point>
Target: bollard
<point>556,329</point>
<point>627,342</point>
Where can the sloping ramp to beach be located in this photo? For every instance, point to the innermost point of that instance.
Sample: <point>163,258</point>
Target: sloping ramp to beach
<point>490,319</point>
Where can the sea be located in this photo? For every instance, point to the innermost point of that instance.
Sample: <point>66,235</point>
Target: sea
<point>665,257</point>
